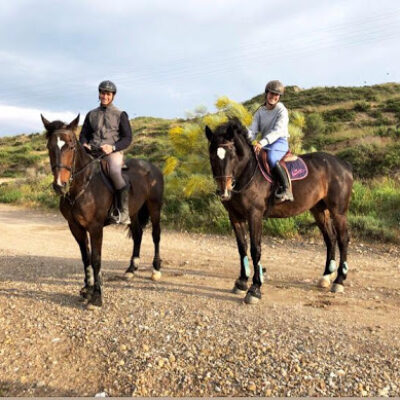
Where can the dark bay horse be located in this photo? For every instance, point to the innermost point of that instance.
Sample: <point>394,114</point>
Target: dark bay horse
<point>249,198</point>
<point>86,200</point>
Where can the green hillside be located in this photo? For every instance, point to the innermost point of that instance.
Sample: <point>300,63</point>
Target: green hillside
<point>359,124</point>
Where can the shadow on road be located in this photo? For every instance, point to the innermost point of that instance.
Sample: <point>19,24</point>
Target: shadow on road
<point>16,389</point>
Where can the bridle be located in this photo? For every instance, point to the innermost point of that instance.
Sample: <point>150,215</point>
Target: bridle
<point>71,168</point>
<point>231,145</point>
<point>73,172</point>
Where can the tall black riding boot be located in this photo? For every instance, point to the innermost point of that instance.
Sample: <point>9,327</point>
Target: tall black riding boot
<point>123,205</point>
<point>285,193</point>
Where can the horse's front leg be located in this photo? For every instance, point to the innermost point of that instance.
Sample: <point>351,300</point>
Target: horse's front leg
<point>255,225</point>
<point>96,240</point>
<point>80,236</point>
<point>239,227</point>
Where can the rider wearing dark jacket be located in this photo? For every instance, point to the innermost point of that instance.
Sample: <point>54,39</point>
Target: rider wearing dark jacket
<point>107,128</point>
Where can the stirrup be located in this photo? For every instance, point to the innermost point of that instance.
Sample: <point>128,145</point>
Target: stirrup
<point>286,195</point>
<point>113,216</point>
<point>122,218</point>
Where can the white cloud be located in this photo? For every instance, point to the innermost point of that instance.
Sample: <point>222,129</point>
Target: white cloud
<point>27,120</point>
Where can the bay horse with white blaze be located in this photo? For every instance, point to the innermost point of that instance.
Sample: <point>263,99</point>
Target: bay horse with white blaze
<point>249,198</point>
<point>86,200</point>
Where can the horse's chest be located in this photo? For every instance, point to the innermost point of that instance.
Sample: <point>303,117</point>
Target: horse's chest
<point>241,204</point>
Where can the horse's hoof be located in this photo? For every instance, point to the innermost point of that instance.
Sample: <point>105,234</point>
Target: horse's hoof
<point>86,292</point>
<point>250,299</point>
<point>337,288</point>
<point>325,281</point>
<point>129,276</point>
<point>236,290</point>
<point>95,302</point>
<point>240,286</point>
<point>156,275</point>
<point>92,307</point>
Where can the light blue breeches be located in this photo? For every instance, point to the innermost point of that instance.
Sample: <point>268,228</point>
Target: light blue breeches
<point>276,151</point>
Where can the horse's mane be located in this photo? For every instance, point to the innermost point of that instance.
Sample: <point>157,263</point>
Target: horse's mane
<point>54,126</point>
<point>236,126</point>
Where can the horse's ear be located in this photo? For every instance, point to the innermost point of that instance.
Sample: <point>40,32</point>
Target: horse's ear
<point>209,133</point>
<point>74,124</point>
<point>46,123</point>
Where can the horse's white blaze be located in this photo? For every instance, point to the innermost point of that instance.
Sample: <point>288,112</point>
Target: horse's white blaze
<point>221,153</point>
<point>60,143</point>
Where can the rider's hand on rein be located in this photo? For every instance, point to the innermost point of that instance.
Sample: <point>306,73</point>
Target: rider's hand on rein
<point>107,148</point>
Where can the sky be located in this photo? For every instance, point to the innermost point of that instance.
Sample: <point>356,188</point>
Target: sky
<point>169,57</point>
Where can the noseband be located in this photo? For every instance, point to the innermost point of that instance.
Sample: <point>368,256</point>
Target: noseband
<point>231,145</point>
<point>71,168</point>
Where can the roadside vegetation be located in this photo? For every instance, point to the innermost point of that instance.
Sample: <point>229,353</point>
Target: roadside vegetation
<point>360,125</point>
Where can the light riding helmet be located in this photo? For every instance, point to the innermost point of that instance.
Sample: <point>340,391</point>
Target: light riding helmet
<point>275,87</point>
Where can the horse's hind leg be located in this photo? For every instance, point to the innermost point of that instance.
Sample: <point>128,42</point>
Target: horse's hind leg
<point>340,222</point>
<point>80,236</point>
<point>324,222</point>
<point>155,216</point>
<point>137,234</point>
<point>240,232</point>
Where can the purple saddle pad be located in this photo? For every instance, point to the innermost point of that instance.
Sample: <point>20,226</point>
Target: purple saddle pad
<point>297,169</point>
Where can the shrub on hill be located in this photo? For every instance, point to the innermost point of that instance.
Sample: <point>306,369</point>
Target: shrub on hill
<point>338,115</point>
<point>315,125</point>
<point>371,161</point>
<point>361,106</point>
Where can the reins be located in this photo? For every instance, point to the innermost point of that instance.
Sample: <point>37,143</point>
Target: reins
<point>74,173</point>
<point>231,144</point>
<point>248,183</point>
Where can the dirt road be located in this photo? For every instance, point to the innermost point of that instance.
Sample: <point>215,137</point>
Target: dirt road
<point>188,334</point>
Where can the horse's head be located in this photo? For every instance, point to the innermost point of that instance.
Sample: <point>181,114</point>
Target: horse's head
<point>228,148</point>
<point>61,143</point>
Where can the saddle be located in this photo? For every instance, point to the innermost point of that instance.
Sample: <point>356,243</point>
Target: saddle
<point>294,166</point>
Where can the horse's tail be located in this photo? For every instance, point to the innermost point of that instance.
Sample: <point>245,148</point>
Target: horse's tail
<point>143,215</point>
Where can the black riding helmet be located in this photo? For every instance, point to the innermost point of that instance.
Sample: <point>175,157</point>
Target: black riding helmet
<point>107,86</point>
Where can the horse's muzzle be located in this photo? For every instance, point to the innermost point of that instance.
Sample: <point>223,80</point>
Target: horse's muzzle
<point>225,186</point>
<point>60,189</point>
<point>224,195</point>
